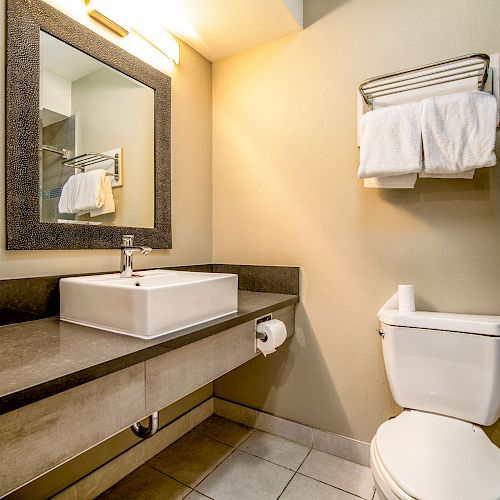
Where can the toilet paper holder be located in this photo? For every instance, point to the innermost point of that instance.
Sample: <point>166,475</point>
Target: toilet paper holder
<point>269,334</point>
<point>261,336</point>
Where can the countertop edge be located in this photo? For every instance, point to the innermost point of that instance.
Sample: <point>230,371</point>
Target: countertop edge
<point>23,397</point>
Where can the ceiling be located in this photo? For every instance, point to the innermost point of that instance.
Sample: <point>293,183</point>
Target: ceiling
<point>220,28</point>
<point>64,60</point>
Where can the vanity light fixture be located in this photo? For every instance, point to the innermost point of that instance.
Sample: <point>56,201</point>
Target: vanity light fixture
<point>157,36</point>
<point>107,13</point>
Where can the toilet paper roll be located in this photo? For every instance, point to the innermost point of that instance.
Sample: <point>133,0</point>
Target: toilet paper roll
<point>406,298</point>
<point>275,331</point>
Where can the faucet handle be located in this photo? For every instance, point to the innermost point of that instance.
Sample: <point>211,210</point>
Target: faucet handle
<point>127,240</point>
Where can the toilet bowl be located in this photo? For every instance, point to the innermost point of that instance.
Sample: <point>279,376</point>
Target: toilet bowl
<point>420,455</point>
<point>444,370</point>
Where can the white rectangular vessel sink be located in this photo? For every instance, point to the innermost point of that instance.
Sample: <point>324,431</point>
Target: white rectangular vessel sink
<point>151,303</point>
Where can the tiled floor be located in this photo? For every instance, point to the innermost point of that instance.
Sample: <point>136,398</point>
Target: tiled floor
<point>223,460</point>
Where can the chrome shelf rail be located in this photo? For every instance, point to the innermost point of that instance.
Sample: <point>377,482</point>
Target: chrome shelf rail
<point>449,70</point>
<point>80,162</point>
<point>63,152</point>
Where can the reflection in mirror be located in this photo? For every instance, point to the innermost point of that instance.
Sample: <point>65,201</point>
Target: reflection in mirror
<point>97,141</point>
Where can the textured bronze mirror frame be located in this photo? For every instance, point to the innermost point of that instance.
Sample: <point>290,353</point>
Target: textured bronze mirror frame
<point>25,19</point>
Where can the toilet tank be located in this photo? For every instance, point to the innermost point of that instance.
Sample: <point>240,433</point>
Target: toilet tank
<point>444,363</point>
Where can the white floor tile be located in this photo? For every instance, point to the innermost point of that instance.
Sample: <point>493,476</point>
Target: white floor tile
<point>275,449</point>
<point>191,458</point>
<point>302,487</point>
<point>338,472</point>
<point>224,431</point>
<point>245,477</point>
<point>194,495</point>
<point>144,484</point>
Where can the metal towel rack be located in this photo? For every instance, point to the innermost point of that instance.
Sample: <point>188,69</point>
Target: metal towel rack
<point>450,70</point>
<point>63,152</point>
<point>80,162</point>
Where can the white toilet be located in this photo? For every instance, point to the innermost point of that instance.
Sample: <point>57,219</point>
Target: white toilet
<point>444,369</point>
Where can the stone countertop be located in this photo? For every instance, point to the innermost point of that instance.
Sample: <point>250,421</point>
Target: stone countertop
<point>44,357</point>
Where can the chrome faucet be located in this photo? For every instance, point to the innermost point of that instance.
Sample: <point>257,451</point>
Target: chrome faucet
<point>128,249</point>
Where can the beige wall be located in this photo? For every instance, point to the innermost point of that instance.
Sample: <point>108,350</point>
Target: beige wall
<point>191,167</point>
<point>286,192</point>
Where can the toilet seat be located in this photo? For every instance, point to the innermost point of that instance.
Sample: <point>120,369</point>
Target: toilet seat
<point>427,456</point>
<point>386,487</point>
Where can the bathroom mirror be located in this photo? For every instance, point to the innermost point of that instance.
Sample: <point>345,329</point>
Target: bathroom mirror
<point>88,137</point>
<point>94,117</point>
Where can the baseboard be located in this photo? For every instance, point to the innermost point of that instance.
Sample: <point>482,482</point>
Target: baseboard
<point>329,442</point>
<point>109,474</point>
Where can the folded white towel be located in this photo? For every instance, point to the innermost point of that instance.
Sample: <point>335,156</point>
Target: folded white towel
<point>459,175</point>
<point>396,182</point>
<point>109,202</point>
<point>390,141</point>
<point>68,196</point>
<point>458,132</point>
<point>91,193</point>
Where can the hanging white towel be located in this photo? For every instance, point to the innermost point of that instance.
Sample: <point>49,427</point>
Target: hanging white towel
<point>68,196</point>
<point>396,182</point>
<point>458,132</point>
<point>390,141</point>
<point>109,202</point>
<point>459,175</point>
<point>91,192</point>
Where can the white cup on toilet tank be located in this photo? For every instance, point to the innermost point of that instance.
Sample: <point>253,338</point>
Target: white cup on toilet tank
<point>406,298</point>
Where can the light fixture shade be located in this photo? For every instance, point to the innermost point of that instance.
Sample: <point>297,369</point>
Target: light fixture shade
<point>157,36</point>
<point>109,14</point>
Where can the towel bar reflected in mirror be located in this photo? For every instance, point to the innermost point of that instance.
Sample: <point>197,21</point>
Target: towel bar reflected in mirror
<point>80,162</point>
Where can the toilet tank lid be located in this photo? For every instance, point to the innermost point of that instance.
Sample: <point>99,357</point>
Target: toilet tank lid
<point>478,324</point>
